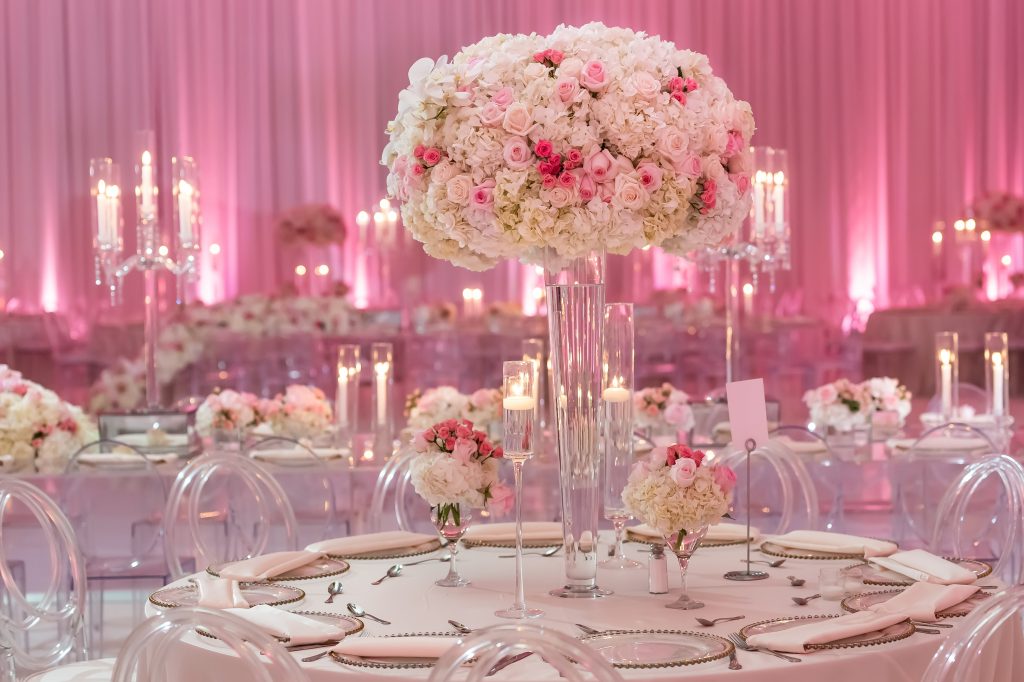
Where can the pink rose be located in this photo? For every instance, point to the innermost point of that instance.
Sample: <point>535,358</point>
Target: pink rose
<point>690,166</point>
<point>573,159</point>
<point>502,499</point>
<point>492,115</point>
<point>459,189</point>
<point>483,195</point>
<point>418,151</point>
<point>742,182</point>
<point>540,56</point>
<point>464,450</point>
<point>555,56</point>
<point>431,156</point>
<point>683,472</point>
<point>416,171</point>
<point>673,145</point>
<point>629,193</point>
<point>676,83</point>
<point>653,411</point>
<point>485,447</point>
<point>518,120</point>
<point>734,144</point>
<point>587,188</point>
<point>690,85</point>
<point>679,96</point>
<point>593,76</point>
<point>601,165</point>
<point>567,89</point>
<point>548,181</point>
<point>543,148</point>
<point>566,179</point>
<point>502,98</point>
<point>724,477</point>
<point>449,444</point>
<point>708,195</point>
<point>463,431</point>
<point>650,176</point>
<point>558,196</point>
<point>517,153</point>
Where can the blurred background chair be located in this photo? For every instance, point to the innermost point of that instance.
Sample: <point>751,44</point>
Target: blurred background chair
<point>824,469</point>
<point>393,495</point>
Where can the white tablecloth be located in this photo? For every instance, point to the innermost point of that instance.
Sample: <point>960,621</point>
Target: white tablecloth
<point>414,604</point>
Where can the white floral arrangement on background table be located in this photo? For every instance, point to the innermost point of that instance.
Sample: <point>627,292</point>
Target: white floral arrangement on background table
<point>844,405</point>
<point>662,406</point>
<point>37,427</point>
<point>591,138</point>
<point>299,412</point>
<point>426,408</point>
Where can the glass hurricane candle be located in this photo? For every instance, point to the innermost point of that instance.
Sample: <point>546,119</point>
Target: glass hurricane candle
<point>997,373</point>
<point>946,372</point>
<point>346,400</point>
<point>382,362</point>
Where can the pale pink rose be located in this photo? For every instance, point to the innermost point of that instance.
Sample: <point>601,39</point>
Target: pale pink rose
<point>502,499</point>
<point>734,144</point>
<point>724,477</point>
<point>828,394</point>
<point>653,411</point>
<point>742,182</point>
<point>629,193</point>
<point>683,472</point>
<point>890,402</point>
<point>600,165</point>
<point>559,196</point>
<point>483,195</point>
<point>642,469</point>
<point>586,188</point>
<point>502,98</point>
<point>464,450</point>
<point>678,414</point>
<point>690,166</point>
<point>672,144</point>
<point>420,444</point>
<point>593,76</point>
<point>459,189</point>
<point>518,120</point>
<point>517,153</point>
<point>567,89</point>
<point>650,176</point>
<point>492,115</point>
<point>647,86</point>
<point>443,172</point>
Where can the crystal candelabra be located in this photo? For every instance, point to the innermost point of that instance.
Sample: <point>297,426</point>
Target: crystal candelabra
<point>150,257</point>
<point>763,242</point>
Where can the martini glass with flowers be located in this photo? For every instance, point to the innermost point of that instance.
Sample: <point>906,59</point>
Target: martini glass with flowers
<point>456,471</point>
<point>680,493</point>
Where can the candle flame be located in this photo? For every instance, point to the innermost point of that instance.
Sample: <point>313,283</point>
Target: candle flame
<point>958,226</point>
<point>381,368</point>
<point>937,237</point>
<point>362,219</point>
<point>945,356</point>
<point>184,188</point>
<point>986,236</point>
<point>147,158</point>
<point>997,360</point>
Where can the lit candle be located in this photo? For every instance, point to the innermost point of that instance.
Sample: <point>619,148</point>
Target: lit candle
<point>748,299</point>
<point>101,213</point>
<point>113,205</point>
<point>997,385</point>
<point>780,201</point>
<point>148,208</point>
<point>617,392</point>
<point>341,402</point>
<point>518,402</point>
<point>946,379</point>
<point>185,212</point>
<point>381,371</point>
<point>937,243</point>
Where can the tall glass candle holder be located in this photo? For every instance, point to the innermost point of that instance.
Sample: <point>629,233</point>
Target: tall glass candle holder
<point>382,361</point>
<point>108,239</point>
<point>519,379</point>
<point>346,400</point>
<point>617,393</point>
<point>533,350</point>
<point>185,195</point>
<point>997,373</point>
<point>947,361</point>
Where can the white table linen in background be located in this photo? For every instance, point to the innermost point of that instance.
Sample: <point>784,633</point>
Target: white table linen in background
<point>414,604</point>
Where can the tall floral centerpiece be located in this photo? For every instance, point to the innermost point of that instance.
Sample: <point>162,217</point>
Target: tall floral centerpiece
<point>555,150</point>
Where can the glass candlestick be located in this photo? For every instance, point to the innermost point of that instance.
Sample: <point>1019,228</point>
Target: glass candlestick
<point>997,373</point>
<point>617,370</point>
<point>382,361</point>
<point>108,239</point>
<point>346,400</point>
<point>947,363</point>
<point>185,204</point>
<point>519,378</point>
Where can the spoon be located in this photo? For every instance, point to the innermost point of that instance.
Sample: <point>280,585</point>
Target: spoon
<point>802,601</point>
<point>394,571</point>
<point>708,623</point>
<point>795,582</point>
<point>769,564</point>
<point>334,589</point>
<point>462,629</point>
<point>357,611</point>
<point>546,552</point>
<point>443,559</point>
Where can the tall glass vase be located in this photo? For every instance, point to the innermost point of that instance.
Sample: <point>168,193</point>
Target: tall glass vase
<point>576,295</point>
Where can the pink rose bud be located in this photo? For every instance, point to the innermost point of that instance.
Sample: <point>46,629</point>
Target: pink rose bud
<point>539,56</point>
<point>691,85</point>
<point>416,170</point>
<point>587,188</point>
<point>431,156</point>
<point>567,179</point>
<point>676,83</point>
<point>574,157</point>
<point>556,159</point>
<point>543,148</point>
<point>498,453</point>
<point>556,57</point>
<point>678,96</point>
<point>449,444</point>
<point>549,181</point>
<point>418,152</point>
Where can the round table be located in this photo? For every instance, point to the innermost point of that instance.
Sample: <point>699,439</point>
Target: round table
<point>414,604</point>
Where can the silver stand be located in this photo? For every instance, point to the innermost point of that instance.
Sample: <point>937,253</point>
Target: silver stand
<point>747,575</point>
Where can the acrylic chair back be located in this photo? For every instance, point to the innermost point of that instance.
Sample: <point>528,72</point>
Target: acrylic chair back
<point>58,612</point>
<point>222,508</point>
<point>781,488</point>
<point>988,646</point>
<point>821,464</point>
<point>982,516</point>
<point>156,652</point>
<point>394,481</point>
<point>573,660</point>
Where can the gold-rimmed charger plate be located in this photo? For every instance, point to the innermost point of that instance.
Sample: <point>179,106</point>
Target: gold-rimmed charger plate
<point>770,548</point>
<point>399,553</point>
<point>893,633</point>
<point>645,649</point>
<point>872,574</point>
<point>511,544</point>
<point>400,663</point>
<point>865,600</point>
<point>648,540</point>
<point>350,624</point>
<point>321,568</point>
<point>256,594</point>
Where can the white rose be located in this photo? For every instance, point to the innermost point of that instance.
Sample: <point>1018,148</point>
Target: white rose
<point>647,86</point>
<point>534,71</point>
<point>459,189</point>
<point>559,196</point>
<point>672,144</point>
<point>570,66</point>
<point>443,172</point>
<point>518,120</point>
<point>629,193</point>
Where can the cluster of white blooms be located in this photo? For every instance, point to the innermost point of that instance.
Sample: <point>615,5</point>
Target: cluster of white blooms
<point>36,426</point>
<point>299,412</point>
<point>886,394</point>
<point>676,490</point>
<point>482,407</point>
<point>844,405</point>
<point>591,138</point>
<point>662,405</point>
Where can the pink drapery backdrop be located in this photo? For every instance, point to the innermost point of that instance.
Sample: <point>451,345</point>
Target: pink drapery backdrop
<point>895,114</point>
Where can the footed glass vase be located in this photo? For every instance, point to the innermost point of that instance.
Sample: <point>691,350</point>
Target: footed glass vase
<point>452,520</point>
<point>684,547</point>
<point>575,298</point>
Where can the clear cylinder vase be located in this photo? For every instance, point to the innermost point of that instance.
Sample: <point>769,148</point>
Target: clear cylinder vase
<point>576,296</point>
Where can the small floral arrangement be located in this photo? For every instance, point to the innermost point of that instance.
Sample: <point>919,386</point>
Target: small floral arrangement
<point>232,411</point>
<point>844,405</point>
<point>436,405</point>
<point>458,465</point>
<point>483,407</point>
<point>300,412</point>
<point>36,426</point>
<point>661,406</point>
<point>317,224</point>
<point>434,315</point>
<point>677,491</point>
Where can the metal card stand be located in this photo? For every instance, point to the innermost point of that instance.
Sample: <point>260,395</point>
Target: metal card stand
<point>747,575</point>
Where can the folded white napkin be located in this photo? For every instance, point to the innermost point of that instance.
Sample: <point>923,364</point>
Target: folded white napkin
<point>123,458</point>
<point>721,532</point>
<point>823,541</point>
<point>802,447</point>
<point>371,542</point>
<point>935,444</point>
<point>795,640</point>
<point>294,454</point>
<point>920,565</point>
<point>396,647</point>
<point>160,439</point>
<point>535,531</point>
<point>295,628</point>
<point>268,565</point>
<point>921,601</point>
<point>217,593</point>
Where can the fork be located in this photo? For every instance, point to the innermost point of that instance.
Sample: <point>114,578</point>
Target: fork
<point>742,644</point>
<point>734,663</point>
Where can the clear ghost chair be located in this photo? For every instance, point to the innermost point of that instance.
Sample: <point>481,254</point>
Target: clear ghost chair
<point>994,628</point>
<point>968,395</point>
<point>58,612</point>
<point>305,478</point>
<point>985,521</point>
<point>394,481</point>
<point>227,504</point>
<point>781,489</point>
<point>573,660</point>
<point>153,652</point>
<point>922,473</point>
<point>121,542</point>
<point>814,452</point>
